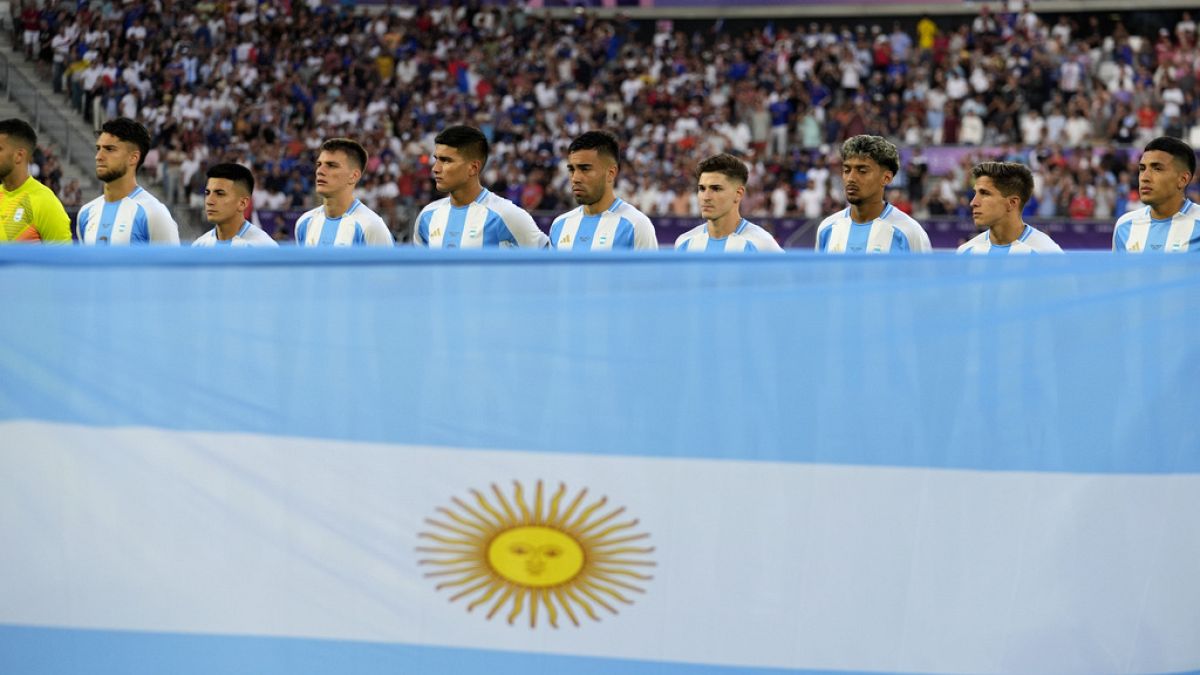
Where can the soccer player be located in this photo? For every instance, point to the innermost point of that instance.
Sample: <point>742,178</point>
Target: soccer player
<point>227,195</point>
<point>602,222</point>
<point>29,211</point>
<point>720,186</point>
<point>870,225</point>
<point>1169,222</point>
<point>470,216</point>
<point>125,213</point>
<point>341,220</point>
<point>1001,190</point>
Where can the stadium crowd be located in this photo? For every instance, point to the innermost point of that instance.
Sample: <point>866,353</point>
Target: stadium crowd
<point>263,83</point>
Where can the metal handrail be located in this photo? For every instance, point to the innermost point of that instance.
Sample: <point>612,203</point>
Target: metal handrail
<point>74,146</point>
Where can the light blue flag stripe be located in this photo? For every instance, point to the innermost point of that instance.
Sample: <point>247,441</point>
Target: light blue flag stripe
<point>34,651</point>
<point>1078,363</point>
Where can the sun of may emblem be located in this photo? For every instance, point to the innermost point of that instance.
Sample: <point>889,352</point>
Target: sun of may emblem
<point>558,556</point>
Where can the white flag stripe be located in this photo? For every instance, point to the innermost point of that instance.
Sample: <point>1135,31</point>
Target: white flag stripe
<point>757,564</point>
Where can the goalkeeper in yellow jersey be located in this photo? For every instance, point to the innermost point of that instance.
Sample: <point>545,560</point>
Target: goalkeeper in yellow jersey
<point>29,211</point>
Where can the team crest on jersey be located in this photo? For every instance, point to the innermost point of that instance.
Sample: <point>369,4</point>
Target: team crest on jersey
<point>18,214</point>
<point>521,555</point>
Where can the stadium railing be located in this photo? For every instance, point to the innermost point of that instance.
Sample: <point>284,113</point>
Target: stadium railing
<point>46,116</point>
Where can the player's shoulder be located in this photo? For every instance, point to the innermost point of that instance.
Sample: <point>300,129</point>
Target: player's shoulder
<point>258,236</point>
<point>691,234</point>
<point>901,219</point>
<point>632,214</point>
<point>311,213</point>
<point>1041,242</point>
<point>834,217</point>
<point>435,205</point>
<point>98,202</point>
<point>760,237</point>
<point>364,213</point>
<point>207,239</point>
<point>575,212</point>
<point>504,208</point>
<point>1128,217</point>
<point>974,242</point>
<point>143,196</point>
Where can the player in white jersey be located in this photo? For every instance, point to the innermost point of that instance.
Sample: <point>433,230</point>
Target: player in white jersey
<point>125,213</point>
<point>1001,191</point>
<point>720,186</point>
<point>471,216</point>
<point>602,222</point>
<point>227,195</point>
<point>1169,222</point>
<point>341,219</point>
<point>869,224</point>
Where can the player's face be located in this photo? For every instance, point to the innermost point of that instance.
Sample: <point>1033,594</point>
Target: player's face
<point>336,174</point>
<point>592,175</point>
<point>718,194</point>
<point>451,171</point>
<point>988,206</point>
<point>224,202</point>
<point>864,180</point>
<point>1160,178</point>
<point>8,156</point>
<point>114,157</point>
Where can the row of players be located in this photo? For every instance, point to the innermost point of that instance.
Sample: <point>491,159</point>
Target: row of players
<point>471,216</point>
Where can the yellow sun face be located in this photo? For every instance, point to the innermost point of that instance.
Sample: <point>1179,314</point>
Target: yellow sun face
<point>535,555</point>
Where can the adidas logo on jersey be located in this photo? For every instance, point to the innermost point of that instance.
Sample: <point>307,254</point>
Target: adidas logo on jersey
<point>565,239</point>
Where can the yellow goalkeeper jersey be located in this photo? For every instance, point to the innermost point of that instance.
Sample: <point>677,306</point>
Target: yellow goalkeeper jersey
<point>32,213</point>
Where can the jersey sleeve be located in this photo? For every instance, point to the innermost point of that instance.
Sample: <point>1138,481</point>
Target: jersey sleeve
<point>421,229</point>
<point>822,242</point>
<point>1120,243</point>
<point>644,237</point>
<point>162,227</point>
<point>523,228</point>
<point>376,233</point>
<point>556,230</point>
<point>301,229</point>
<point>51,220</point>
<point>918,239</point>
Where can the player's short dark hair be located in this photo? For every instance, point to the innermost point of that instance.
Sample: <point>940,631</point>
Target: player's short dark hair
<point>1182,152</point>
<point>20,131</point>
<point>467,140</point>
<point>240,175</point>
<point>1010,178</point>
<point>726,165</point>
<point>602,142</point>
<point>353,149</point>
<point>876,148</point>
<point>129,131</point>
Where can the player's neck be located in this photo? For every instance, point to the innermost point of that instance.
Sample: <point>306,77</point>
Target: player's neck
<point>1167,210</point>
<point>605,203</point>
<point>725,225</point>
<point>466,194</point>
<point>120,188</point>
<point>1006,232</point>
<point>227,231</point>
<point>16,178</point>
<point>337,205</point>
<point>865,213</point>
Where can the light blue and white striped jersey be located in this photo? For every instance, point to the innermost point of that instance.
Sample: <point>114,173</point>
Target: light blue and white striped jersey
<point>358,226</point>
<point>747,237</point>
<point>620,226</point>
<point>1031,241</point>
<point>1138,231</point>
<point>490,220</point>
<point>138,218</point>
<point>892,232</point>
<point>249,235</point>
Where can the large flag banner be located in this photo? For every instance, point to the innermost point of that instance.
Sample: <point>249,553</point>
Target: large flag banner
<point>371,462</point>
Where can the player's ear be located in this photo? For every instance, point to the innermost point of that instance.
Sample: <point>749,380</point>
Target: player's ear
<point>740,192</point>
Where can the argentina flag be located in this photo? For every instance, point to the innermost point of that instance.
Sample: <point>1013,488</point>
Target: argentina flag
<point>409,461</point>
